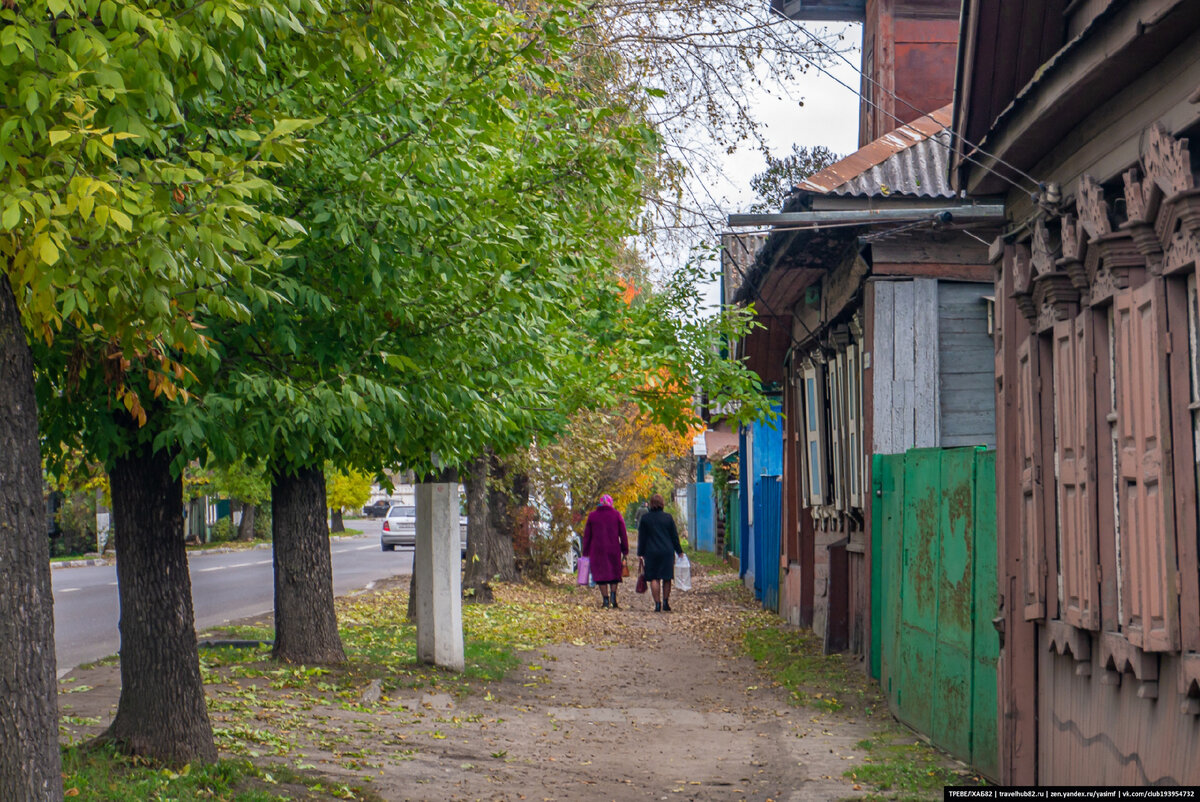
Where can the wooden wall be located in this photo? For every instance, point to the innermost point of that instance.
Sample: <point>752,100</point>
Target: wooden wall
<point>967,395</point>
<point>931,366</point>
<point>904,360</point>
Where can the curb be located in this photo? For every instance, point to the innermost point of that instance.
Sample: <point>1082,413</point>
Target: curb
<point>79,563</point>
<point>191,553</point>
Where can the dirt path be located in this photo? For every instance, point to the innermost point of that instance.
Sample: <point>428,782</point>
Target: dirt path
<point>654,706</point>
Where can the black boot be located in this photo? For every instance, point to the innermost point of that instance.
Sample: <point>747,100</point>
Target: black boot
<point>606,604</point>
<point>658,607</point>
<point>614,601</point>
<point>666,607</point>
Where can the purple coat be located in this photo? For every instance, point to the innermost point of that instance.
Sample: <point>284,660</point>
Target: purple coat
<point>605,543</point>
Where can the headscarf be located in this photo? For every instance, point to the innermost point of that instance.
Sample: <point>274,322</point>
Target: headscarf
<point>606,500</point>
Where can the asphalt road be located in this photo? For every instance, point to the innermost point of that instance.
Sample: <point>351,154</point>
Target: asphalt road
<point>225,587</point>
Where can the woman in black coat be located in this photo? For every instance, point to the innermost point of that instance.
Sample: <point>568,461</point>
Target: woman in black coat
<point>658,543</point>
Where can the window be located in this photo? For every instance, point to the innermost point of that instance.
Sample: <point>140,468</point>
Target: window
<point>813,376</point>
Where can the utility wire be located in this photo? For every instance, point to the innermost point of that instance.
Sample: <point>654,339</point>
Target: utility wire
<point>950,148</point>
<point>817,40</point>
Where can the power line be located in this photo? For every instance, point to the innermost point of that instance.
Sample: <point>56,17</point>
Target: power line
<point>950,148</point>
<point>815,39</point>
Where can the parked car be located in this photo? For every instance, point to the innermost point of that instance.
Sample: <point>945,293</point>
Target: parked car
<point>400,529</point>
<point>377,509</point>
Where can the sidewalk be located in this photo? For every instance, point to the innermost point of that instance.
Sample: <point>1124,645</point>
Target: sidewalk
<point>629,704</point>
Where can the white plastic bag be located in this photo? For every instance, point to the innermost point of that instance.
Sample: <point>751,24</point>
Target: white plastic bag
<point>683,573</point>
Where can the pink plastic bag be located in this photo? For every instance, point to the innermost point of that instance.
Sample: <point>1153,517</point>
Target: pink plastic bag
<point>585,570</point>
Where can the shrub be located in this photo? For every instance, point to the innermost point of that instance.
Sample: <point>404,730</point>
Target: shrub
<point>76,519</point>
<point>262,523</point>
<point>223,531</point>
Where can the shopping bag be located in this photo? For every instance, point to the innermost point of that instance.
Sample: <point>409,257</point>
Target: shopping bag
<point>641,583</point>
<point>585,571</point>
<point>683,573</point>
<point>624,569</point>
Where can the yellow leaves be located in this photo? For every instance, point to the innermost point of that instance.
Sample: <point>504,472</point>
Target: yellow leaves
<point>45,248</point>
<point>120,218</point>
<point>58,135</point>
<point>133,404</point>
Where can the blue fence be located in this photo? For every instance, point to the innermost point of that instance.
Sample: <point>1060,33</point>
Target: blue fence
<point>768,528</point>
<point>704,529</point>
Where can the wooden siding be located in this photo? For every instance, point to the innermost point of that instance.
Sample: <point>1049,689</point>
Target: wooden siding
<point>1098,729</point>
<point>905,365</point>
<point>966,392</point>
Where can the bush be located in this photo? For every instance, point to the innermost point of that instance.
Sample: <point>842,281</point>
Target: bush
<point>262,523</point>
<point>76,519</point>
<point>547,554</point>
<point>223,531</point>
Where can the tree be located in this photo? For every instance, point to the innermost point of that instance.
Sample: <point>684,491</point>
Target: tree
<point>131,192</point>
<point>346,490</point>
<point>773,185</point>
<point>704,62</point>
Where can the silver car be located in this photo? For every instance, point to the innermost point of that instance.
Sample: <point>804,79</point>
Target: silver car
<point>400,529</point>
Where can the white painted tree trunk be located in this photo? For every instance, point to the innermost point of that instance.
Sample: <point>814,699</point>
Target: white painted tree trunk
<point>437,571</point>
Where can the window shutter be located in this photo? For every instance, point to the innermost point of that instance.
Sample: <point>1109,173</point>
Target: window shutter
<point>854,444</point>
<point>1032,534</point>
<point>837,437</point>
<point>1073,397</point>
<point>1147,542</point>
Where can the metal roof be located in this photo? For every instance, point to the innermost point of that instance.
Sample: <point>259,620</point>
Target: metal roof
<point>910,161</point>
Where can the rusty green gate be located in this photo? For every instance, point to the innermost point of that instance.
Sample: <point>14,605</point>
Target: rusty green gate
<point>934,596</point>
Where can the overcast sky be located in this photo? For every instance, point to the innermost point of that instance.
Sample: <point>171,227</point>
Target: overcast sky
<point>828,116</point>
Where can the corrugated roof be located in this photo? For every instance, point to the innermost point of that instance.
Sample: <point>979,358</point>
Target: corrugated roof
<point>912,160</point>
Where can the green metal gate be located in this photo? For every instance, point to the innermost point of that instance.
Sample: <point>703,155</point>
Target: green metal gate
<point>934,596</point>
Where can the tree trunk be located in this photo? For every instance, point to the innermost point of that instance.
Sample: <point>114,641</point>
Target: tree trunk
<point>246,526</point>
<point>335,521</point>
<point>30,765</point>
<point>489,547</point>
<point>305,622</point>
<point>161,713</point>
<point>411,614</point>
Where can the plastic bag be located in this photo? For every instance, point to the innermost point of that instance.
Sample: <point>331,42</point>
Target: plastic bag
<point>585,571</point>
<point>683,573</point>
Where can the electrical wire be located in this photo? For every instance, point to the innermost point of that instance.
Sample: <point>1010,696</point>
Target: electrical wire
<point>817,40</point>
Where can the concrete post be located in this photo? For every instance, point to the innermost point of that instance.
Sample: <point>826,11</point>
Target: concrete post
<point>437,568</point>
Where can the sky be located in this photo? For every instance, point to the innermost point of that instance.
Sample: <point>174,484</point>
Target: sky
<point>828,116</point>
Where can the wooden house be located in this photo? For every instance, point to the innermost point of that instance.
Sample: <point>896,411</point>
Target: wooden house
<point>875,330</point>
<point>1085,115</point>
<point>870,292</point>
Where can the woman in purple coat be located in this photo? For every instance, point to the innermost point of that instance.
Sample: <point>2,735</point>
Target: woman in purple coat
<point>606,545</point>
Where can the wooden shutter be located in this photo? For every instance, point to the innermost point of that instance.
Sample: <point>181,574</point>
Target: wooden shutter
<point>1147,542</point>
<point>837,429</point>
<point>1073,398</point>
<point>1032,534</point>
<point>854,421</point>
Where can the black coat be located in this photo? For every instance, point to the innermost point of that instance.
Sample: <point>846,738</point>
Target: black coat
<point>657,535</point>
